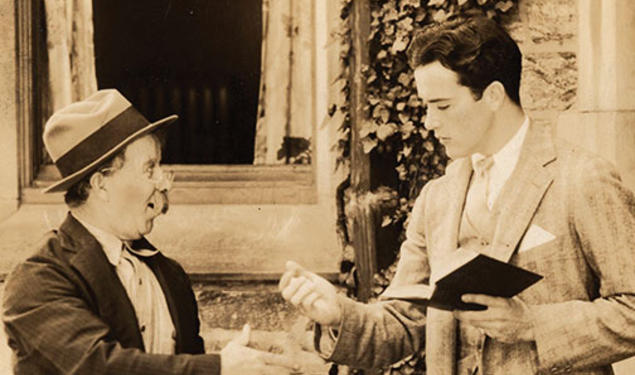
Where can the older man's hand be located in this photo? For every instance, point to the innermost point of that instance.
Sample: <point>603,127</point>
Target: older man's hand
<point>312,294</point>
<point>506,319</point>
<point>238,359</point>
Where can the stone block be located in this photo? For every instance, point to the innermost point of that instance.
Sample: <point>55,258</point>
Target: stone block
<point>549,81</point>
<point>514,25</point>
<point>550,21</point>
<point>610,134</point>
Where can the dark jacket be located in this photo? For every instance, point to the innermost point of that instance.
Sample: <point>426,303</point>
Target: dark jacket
<point>66,312</point>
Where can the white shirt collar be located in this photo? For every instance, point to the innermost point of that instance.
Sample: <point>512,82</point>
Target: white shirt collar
<point>110,243</point>
<point>505,159</point>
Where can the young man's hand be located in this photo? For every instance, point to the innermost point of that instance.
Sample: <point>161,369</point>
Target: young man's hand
<point>316,297</point>
<point>506,319</point>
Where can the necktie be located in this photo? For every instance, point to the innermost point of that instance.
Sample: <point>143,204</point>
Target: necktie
<point>478,193</point>
<point>148,300</point>
<point>138,282</point>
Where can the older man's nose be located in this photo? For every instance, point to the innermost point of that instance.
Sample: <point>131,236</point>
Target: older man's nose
<point>164,183</point>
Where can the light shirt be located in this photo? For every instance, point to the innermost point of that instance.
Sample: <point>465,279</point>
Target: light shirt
<point>505,161</point>
<point>143,289</point>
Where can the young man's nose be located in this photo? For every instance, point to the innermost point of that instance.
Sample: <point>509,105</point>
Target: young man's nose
<point>431,122</point>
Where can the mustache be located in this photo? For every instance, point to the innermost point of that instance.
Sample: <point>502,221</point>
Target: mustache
<point>166,202</point>
<point>160,202</point>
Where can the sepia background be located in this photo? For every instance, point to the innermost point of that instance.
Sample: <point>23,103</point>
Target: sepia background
<point>254,83</point>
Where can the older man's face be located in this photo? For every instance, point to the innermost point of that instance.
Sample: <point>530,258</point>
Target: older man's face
<point>137,193</point>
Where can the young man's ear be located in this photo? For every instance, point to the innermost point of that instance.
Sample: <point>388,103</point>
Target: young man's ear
<point>494,95</point>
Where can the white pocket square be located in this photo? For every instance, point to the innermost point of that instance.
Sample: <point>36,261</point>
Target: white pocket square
<point>535,236</point>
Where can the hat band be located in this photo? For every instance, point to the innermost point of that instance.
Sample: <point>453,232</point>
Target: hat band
<point>101,141</point>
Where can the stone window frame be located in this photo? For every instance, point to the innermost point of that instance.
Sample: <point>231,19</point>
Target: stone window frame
<point>195,184</point>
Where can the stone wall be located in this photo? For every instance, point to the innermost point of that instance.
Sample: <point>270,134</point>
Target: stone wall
<point>546,32</point>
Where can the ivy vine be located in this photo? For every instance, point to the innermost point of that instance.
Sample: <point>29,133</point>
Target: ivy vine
<point>395,114</point>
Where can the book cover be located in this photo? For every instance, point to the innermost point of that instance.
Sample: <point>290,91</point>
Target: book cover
<point>474,274</point>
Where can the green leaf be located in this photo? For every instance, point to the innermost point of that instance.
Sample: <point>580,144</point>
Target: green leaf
<point>410,3</point>
<point>404,79</point>
<point>428,145</point>
<point>386,221</point>
<point>372,76</point>
<point>386,130</point>
<point>403,117</point>
<point>414,101</point>
<point>407,129</point>
<point>401,170</point>
<point>368,144</point>
<point>406,24</point>
<point>400,44</point>
<point>390,14</point>
<point>367,128</point>
<point>440,15</point>
<point>384,115</point>
<point>421,15</point>
<point>377,111</point>
<point>436,3</point>
<point>407,150</point>
<point>389,30</point>
<point>504,6</point>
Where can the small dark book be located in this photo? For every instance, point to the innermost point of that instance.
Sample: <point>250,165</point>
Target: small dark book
<point>468,272</point>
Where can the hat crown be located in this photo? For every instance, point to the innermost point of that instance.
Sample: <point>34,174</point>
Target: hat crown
<point>72,124</point>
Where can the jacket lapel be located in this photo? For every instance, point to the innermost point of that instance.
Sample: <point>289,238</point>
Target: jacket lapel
<point>528,183</point>
<point>449,199</point>
<point>110,298</point>
<point>441,325</point>
<point>158,266</point>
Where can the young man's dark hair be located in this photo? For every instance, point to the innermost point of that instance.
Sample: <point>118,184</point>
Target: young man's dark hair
<point>478,49</point>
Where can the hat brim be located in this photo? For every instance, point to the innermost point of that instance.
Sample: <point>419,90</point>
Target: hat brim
<point>70,180</point>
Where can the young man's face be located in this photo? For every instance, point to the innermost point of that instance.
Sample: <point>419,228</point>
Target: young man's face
<point>137,193</point>
<point>459,121</point>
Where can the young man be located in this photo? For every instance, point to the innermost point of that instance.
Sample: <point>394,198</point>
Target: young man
<point>97,297</point>
<point>515,194</point>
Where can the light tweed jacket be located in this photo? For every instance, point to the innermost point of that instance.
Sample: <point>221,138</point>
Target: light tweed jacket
<point>584,308</point>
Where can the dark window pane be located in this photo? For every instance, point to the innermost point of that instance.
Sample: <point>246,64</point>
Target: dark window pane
<point>199,59</point>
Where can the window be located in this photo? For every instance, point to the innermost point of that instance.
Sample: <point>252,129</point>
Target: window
<point>202,60</point>
<point>199,59</point>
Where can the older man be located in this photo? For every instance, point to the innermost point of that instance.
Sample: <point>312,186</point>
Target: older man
<point>516,194</point>
<point>97,297</point>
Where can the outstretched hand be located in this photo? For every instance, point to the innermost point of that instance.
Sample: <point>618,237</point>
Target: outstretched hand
<point>237,358</point>
<point>312,294</point>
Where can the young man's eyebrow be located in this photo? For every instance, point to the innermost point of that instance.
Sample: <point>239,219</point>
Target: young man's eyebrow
<point>436,100</point>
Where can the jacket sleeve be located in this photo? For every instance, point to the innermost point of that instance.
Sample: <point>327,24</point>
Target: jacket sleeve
<point>576,334</point>
<point>379,334</point>
<point>44,317</point>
